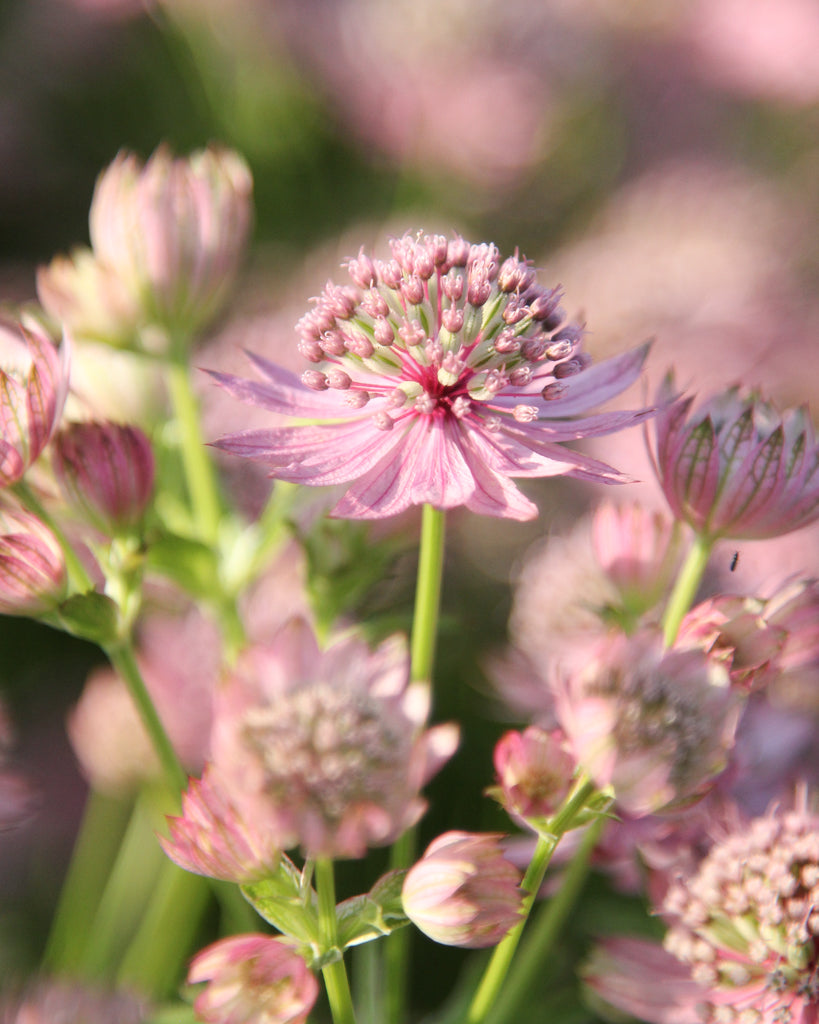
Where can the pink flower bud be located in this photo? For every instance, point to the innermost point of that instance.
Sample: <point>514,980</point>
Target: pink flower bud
<point>463,891</point>
<point>256,979</point>
<point>32,567</point>
<point>33,388</point>
<point>736,467</point>
<point>106,471</point>
<point>534,772</point>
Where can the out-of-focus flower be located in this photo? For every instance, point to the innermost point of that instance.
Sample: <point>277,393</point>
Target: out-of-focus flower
<point>252,979</point>
<point>167,239</point>
<point>328,748</point>
<point>64,1002</point>
<point>32,567</point>
<point>534,772</point>
<point>439,374</point>
<point>212,839</point>
<point>463,891</point>
<point>179,655</point>
<point>742,943</point>
<point>18,797</point>
<point>106,470</point>
<point>656,725</point>
<point>33,388</point>
<point>735,467</point>
<point>611,568</point>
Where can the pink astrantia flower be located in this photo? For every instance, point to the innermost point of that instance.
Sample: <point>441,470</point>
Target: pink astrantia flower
<point>32,567</point>
<point>656,725</point>
<point>252,979</point>
<point>326,748</point>
<point>211,838</point>
<point>106,470</point>
<point>534,772</point>
<point>33,389</point>
<point>743,938</point>
<point>167,240</point>
<point>67,1002</point>
<point>436,376</point>
<point>463,891</point>
<point>735,467</point>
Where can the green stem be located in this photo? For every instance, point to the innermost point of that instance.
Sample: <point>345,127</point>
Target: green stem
<point>498,967</point>
<point>199,469</point>
<point>76,570</point>
<point>335,974</point>
<point>103,823</point>
<point>685,589</point>
<point>427,593</point>
<point>163,941</point>
<point>545,929</point>
<point>422,660</point>
<point>123,660</point>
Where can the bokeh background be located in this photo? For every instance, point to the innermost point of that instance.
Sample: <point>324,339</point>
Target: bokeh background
<point>659,158</point>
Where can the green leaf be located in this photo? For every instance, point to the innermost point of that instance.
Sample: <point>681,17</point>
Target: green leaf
<point>191,564</point>
<point>376,913</point>
<point>92,616</point>
<point>283,902</point>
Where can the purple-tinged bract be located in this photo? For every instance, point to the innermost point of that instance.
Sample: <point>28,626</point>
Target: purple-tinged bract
<point>32,567</point>
<point>735,467</point>
<point>435,376</point>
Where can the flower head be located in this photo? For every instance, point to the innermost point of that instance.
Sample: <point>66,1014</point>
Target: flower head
<point>534,772</point>
<point>211,838</point>
<point>742,943</point>
<point>33,389</point>
<point>107,471</point>
<point>65,1002</point>
<point>439,374</point>
<point>252,979</point>
<point>736,467</point>
<point>32,567</point>
<point>657,725</point>
<point>167,238</point>
<point>463,891</point>
<point>328,748</point>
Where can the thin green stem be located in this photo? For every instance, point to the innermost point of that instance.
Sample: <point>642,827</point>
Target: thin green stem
<point>498,966</point>
<point>103,823</point>
<point>685,589</point>
<point>427,593</point>
<point>334,973</point>
<point>545,929</point>
<point>199,470</point>
<point>123,660</point>
<point>76,570</point>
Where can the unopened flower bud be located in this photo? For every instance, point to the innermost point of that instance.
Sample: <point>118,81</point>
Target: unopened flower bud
<point>106,470</point>
<point>463,891</point>
<point>534,772</point>
<point>32,566</point>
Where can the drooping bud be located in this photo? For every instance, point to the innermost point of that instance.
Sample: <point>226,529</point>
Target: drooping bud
<point>106,471</point>
<point>463,891</point>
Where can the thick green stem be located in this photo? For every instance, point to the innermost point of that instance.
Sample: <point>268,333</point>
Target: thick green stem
<point>199,470</point>
<point>334,973</point>
<point>544,931</point>
<point>123,660</point>
<point>427,593</point>
<point>103,823</point>
<point>685,589</point>
<point>498,967</point>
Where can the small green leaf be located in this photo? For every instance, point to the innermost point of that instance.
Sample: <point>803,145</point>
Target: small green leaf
<point>92,616</point>
<point>282,901</point>
<point>374,914</point>
<point>191,564</point>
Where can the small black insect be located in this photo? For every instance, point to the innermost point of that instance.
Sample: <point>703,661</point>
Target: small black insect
<point>734,561</point>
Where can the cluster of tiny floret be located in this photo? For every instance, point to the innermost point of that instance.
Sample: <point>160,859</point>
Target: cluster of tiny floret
<point>327,748</point>
<point>749,919</point>
<point>438,327</point>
